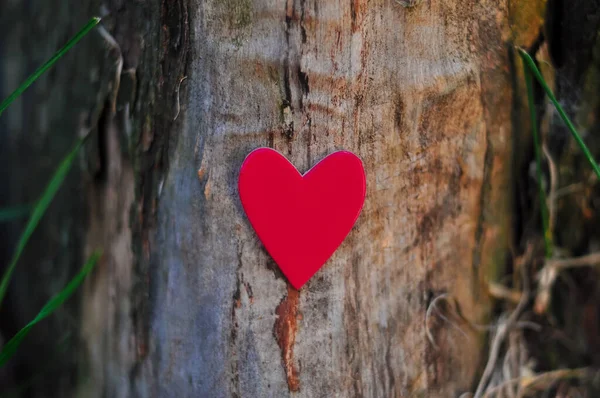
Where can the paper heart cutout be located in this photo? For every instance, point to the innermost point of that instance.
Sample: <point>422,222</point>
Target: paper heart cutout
<point>301,219</point>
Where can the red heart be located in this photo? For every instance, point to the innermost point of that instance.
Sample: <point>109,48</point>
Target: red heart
<point>301,219</point>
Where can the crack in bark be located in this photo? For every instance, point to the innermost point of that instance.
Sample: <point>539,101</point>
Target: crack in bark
<point>285,329</point>
<point>483,200</point>
<point>161,66</point>
<point>287,107</point>
<point>293,75</point>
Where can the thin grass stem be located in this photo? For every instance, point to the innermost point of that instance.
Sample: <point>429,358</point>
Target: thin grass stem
<point>38,211</point>
<point>11,346</point>
<point>531,66</point>
<point>40,71</point>
<point>538,163</point>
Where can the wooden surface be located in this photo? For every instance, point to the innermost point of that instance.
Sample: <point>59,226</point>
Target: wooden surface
<point>186,301</point>
<point>405,90</point>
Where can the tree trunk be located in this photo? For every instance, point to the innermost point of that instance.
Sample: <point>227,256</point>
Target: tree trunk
<point>186,301</point>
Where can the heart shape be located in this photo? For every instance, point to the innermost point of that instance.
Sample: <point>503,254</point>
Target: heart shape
<point>301,219</point>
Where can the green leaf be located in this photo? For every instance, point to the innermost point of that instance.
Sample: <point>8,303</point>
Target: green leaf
<point>84,31</point>
<point>11,347</point>
<point>38,212</point>
<point>530,64</point>
<point>15,212</point>
<point>538,163</point>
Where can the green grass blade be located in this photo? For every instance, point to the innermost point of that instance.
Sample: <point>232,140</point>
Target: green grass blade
<point>538,162</point>
<point>84,31</point>
<point>530,64</point>
<point>11,346</point>
<point>15,212</point>
<point>38,212</point>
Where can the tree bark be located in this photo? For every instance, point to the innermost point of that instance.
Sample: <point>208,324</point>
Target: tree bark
<point>186,301</point>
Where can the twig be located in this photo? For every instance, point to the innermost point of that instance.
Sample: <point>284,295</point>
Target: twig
<point>583,261</point>
<point>501,292</point>
<point>428,315</point>
<point>177,93</point>
<point>551,197</point>
<point>548,275</point>
<point>112,43</point>
<point>544,379</point>
<point>500,387</point>
<point>507,372</point>
<point>501,334</point>
<point>518,352</point>
<point>432,306</point>
<point>569,189</point>
<point>528,325</point>
<point>547,378</point>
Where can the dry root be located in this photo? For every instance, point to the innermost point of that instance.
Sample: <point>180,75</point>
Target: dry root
<point>509,369</point>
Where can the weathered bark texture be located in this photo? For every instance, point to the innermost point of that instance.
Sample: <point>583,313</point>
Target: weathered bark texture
<point>186,301</point>
<point>406,89</point>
